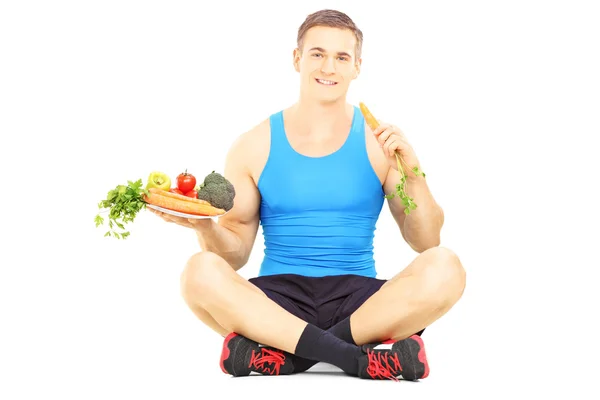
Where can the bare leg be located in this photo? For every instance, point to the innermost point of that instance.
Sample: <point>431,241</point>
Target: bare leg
<point>204,315</point>
<point>227,302</point>
<point>208,320</point>
<point>412,300</point>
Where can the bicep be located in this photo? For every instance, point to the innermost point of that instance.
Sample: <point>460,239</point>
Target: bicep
<point>243,218</point>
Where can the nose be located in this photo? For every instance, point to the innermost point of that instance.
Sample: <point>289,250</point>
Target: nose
<point>328,65</point>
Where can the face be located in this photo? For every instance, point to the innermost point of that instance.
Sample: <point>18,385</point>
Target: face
<point>327,63</point>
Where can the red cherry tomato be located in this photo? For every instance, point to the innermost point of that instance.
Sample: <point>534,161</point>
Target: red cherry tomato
<point>192,193</point>
<point>175,190</point>
<point>186,182</point>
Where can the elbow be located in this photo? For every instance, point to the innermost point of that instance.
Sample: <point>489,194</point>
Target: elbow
<point>242,256</point>
<point>240,262</point>
<point>440,218</point>
<point>425,240</point>
<point>428,235</point>
<point>425,245</point>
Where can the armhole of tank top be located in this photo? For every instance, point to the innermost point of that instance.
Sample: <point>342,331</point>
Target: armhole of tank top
<point>269,155</point>
<point>364,151</point>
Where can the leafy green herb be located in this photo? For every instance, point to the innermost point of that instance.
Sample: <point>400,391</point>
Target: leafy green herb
<point>122,203</point>
<point>407,201</point>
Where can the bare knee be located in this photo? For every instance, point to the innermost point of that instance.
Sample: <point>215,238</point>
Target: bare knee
<point>202,276</point>
<point>444,271</point>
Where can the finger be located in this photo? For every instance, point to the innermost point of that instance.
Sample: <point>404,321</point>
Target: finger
<point>200,223</point>
<point>158,213</point>
<point>167,217</point>
<point>399,132</point>
<point>182,221</point>
<point>382,127</point>
<point>191,223</point>
<point>399,145</point>
<point>385,135</point>
<point>390,146</point>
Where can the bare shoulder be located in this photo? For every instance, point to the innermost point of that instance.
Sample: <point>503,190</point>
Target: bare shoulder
<point>250,150</point>
<point>376,156</point>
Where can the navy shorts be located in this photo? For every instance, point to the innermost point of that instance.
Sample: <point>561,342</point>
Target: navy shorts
<point>321,301</point>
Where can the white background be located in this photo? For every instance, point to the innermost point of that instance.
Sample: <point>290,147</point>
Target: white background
<point>499,99</point>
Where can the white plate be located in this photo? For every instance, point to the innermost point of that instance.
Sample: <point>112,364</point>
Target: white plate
<point>180,214</point>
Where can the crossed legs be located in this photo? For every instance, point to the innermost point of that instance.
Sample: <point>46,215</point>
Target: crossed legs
<point>413,299</point>
<point>226,302</point>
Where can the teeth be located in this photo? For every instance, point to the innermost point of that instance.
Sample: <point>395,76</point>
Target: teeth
<point>326,82</point>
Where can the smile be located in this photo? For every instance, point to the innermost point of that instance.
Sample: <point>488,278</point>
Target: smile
<point>324,82</point>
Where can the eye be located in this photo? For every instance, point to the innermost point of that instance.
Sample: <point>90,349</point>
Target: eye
<point>316,55</point>
<point>343,58</point>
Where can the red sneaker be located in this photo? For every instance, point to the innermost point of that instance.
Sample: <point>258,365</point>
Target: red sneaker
<point>390,359</point>
<point>241,356</point>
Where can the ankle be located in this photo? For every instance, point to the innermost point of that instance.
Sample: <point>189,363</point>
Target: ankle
<point>343,330</point>
<point>319,345</point>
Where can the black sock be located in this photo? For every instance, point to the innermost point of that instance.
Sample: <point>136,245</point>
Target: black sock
<point>340,330</point>
<point>343,331</point>
<point>319,345</point>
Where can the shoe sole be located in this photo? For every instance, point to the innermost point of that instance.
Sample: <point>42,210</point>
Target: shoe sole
<point>407,348</point>
<point>227,363</point>
<point>422,356</point>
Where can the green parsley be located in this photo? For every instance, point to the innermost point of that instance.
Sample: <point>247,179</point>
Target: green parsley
<point>407,201</point>
<point>122,203</point>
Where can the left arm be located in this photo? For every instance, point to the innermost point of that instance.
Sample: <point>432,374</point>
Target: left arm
<point>421,229</point>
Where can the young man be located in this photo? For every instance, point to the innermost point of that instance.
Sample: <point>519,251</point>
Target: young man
<point>314,175</point>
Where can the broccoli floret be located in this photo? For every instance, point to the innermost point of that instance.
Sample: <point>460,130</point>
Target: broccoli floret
<point>214,177</point>
<point>218,191</point>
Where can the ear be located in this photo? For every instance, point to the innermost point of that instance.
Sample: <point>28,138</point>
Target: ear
<point>296,61</point>
<point>357,68</point>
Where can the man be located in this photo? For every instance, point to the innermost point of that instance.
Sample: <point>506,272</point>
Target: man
<point>314,175</point>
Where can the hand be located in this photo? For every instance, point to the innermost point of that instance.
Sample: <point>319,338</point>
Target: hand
<point>392,140</point>
<point>193,223</point>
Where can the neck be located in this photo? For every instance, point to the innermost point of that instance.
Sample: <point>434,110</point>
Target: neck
<point>319,117</point>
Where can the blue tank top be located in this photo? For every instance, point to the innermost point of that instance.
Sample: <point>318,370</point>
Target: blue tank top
<point>318,214</point>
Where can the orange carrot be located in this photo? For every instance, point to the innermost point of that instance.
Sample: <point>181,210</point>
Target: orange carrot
<point>184,204</point>
<point>178,196</point>
<point>369,118</point>
<point>407,201</point>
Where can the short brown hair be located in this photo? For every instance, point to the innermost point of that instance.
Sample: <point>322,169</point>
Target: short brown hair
<point>331,19</point>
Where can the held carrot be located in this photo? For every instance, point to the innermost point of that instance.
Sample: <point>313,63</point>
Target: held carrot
<point>164,200</point>
<point>407,201</point>
<point>369,118</point>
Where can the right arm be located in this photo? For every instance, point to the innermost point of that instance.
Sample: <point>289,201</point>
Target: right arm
<point>233,236</point>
